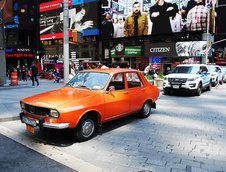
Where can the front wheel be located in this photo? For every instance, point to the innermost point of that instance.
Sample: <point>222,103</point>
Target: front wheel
<point>146,110</point>
<point>208,88</point>
<point>85,128</point>
<point>199,90</point>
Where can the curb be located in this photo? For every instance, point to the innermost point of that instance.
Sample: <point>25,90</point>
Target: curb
<point>6,119</point>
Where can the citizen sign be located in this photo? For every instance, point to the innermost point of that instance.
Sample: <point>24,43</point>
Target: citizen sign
<point>160,50</point>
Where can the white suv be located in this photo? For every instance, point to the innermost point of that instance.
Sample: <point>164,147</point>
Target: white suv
<point>188,77</point>
<point>216,74</point>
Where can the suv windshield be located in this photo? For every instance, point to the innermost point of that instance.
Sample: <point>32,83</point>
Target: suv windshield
<point>90,80</point>
<point>186,69</point>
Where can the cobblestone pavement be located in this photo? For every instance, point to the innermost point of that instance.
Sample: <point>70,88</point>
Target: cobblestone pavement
<point>184,133</point>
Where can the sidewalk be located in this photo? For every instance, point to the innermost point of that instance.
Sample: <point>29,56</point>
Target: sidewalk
<point>10,96</point>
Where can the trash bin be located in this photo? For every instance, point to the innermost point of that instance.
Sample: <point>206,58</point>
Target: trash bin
<point>14,78</point>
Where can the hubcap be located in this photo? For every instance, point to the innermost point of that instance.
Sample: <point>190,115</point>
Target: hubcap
<point>146,109</point>
<point>87,128</point>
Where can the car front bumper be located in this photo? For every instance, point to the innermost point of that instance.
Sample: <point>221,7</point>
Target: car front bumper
<point>41,123</point>
<point>192,86</point>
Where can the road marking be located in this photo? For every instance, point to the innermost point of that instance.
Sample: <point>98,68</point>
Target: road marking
<point>50,152</point>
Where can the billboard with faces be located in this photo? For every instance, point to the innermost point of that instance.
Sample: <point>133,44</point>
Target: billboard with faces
<point>83,17</point>
<point>152,17</point>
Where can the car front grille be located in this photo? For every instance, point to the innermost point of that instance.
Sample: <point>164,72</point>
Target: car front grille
<point>177,80</point>
<point>37,110</point>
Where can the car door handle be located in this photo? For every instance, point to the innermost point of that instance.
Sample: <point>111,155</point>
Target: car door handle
<point>126,92</point>
<point>142,89</point>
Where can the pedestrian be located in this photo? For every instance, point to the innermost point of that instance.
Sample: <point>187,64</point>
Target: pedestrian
<point>149,71</point>
<point>24,73</point>
<point>136,23</point>
<point>34,73</point>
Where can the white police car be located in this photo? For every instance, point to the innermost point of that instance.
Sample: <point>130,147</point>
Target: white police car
<point>188,77</point>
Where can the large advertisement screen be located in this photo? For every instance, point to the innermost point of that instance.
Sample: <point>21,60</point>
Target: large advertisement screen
<point>128,18</point>
<point>83,17</point>
<point>7,10</point>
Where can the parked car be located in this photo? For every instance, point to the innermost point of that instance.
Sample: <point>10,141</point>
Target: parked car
<point>216,75</point>
<point>188,77</point>
<point>223,68</point>
<point>90,98</point>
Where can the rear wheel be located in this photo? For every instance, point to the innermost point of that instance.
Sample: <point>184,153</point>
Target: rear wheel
<point>146,110</point>
<point>85,128</point>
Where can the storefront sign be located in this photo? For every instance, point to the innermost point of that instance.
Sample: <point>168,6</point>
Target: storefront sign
<point>160,50</point>
<point>126,51</point>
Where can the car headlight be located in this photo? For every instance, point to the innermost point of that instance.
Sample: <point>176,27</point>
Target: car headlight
<point>22,105</point>
<point>192,79</point>
<point>54,113</point>
<point>165,78</point>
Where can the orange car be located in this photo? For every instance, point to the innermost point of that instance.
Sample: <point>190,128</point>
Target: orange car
<point>89,99</point>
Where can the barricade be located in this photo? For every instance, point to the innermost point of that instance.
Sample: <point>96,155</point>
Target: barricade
<point>14,78</point>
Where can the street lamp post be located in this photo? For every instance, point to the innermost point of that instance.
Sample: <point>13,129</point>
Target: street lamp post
<point>2,50</point>
<point>66,41</point>
<point>207,33</point>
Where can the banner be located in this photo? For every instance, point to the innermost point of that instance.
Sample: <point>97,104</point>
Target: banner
<point>174,49</point>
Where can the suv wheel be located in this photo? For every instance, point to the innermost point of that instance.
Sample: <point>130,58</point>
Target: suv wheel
<point>208,88</point>
<point>199,90</point>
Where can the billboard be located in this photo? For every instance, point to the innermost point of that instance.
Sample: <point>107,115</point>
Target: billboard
<point>175,49</point>
<point>83,17</point>
<point>24,14</point>
<point>7,10</point>
<point>150,17</point>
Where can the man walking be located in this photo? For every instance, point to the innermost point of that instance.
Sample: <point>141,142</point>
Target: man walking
<point>34,72</point>
<point>136,24</point>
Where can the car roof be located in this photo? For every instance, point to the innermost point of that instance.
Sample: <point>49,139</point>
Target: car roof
<point>110,70</point>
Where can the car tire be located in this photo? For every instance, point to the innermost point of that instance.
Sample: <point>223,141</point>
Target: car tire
<point>166,92</point>
<point>146,110</point>
<point>208,88</point>
<point>199,90</point>
<point>85,128</point>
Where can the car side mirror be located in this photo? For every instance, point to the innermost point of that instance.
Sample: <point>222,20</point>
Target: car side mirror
<point>111,88</point>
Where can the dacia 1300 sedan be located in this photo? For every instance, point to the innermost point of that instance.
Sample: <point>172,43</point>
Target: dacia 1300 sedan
<point>89,99</point>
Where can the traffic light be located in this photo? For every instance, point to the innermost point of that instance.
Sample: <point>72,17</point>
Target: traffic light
<point>77,36</point>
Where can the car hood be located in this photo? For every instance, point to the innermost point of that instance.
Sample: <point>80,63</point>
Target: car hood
<point>181,75</point>
<point>55,98</point>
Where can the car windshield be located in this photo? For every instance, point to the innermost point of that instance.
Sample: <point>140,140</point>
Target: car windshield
<point>186,69</point>
<point>212,69</point>
<point>89,80</point>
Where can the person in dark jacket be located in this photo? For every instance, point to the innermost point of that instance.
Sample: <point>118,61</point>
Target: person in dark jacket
<point>34,73</point>
<point>159,15</point>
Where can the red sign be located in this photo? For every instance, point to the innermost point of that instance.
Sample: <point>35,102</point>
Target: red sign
<point>19,55</point>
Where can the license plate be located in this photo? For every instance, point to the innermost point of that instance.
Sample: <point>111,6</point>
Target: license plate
<point>30,129</point>
<point>176,86</point>
<point>29,121</point>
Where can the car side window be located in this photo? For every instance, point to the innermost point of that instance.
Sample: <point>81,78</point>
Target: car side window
<point>117,81</point>
<point>203,69</point>
<point>133,80</point>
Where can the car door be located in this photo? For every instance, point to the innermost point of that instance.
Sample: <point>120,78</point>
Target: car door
<point>205,75</point>
<point>116,98</point>
<point>136,91</point>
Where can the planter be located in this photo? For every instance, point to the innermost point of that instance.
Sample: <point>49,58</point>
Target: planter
<point>158,82</point>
